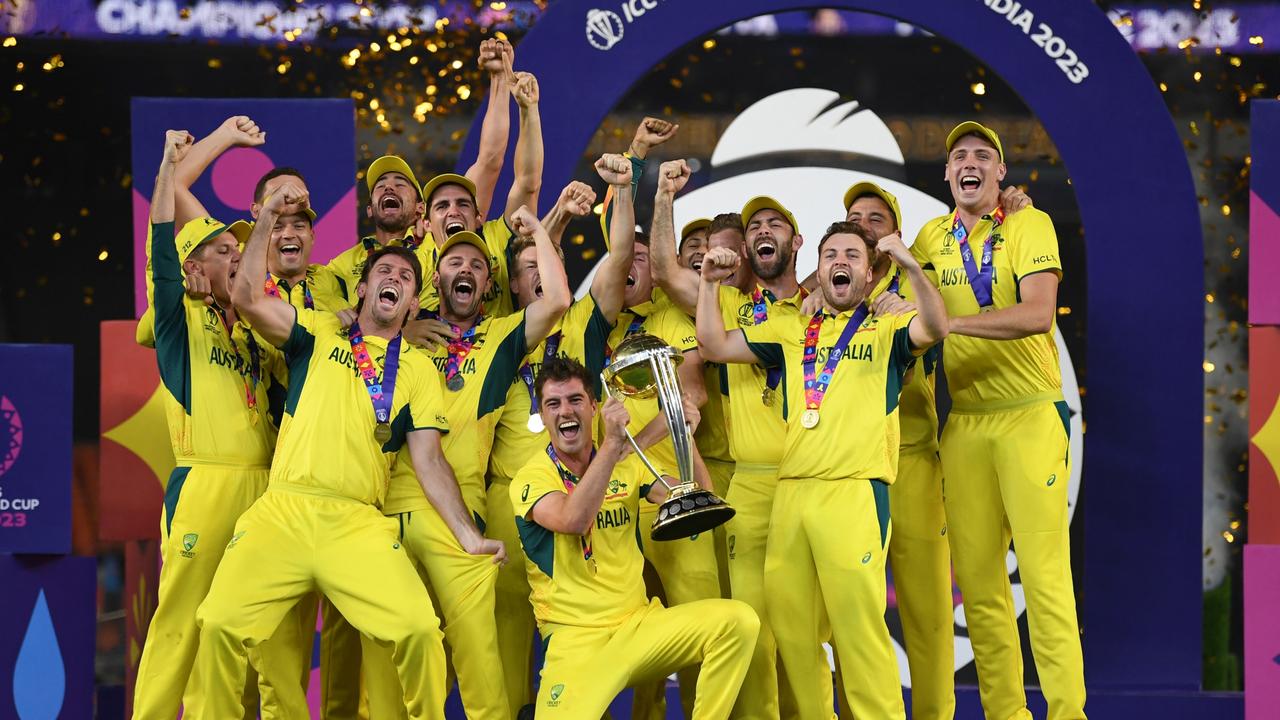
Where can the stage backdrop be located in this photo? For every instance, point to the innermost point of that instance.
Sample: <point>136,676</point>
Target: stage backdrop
<point>315,136</point>
<point>1141,604</point>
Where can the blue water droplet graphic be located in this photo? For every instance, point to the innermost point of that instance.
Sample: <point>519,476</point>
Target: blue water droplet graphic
<point>39,678</point>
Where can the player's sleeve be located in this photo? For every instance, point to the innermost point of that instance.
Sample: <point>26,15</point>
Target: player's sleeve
<point>275,375</point>
<point>327,289</point>
<point>678,329</point>
<point>903,352</point>
<point>584,316</point>
<point>426,404</point>
<point>1035,247</point>
<point>145,333</point>
<point>509,334</point>
<point>920,249</point>
<point>302,338</point>
<point>173,353</point>
<point>765,340</point>
<point>606,217</point>
<point>533,482</point>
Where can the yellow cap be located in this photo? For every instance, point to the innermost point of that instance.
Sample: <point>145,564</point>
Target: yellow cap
<point>391,163</point>
<point>465,237</point>
<point>970,127</point>
<point>447,179</point>
<point>693,226</point>
<point>763,202</point>
<point>869,188</point>
<point>201,230</point>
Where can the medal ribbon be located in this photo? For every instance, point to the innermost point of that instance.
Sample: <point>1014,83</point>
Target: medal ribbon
<point>893,284</point>
<point>460,348</point>
<point>526,370</point>
<point>815,388</point>
<point>254,365</point>
<point>772,376</point>
<point>570,484</point>
<point>380,393</point>
<point>979,278</point>
<point>273,289</point>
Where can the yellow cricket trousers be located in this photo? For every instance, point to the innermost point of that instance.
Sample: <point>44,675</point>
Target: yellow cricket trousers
<point>828,540</point>
<point>201,506</point>
<point>464,585</point>
<point>686,571</point>
<point>340,659</point>
<point>295,541</point>
<point>587,667</point>
<point>921,564</point>
<point>1006,476</point>
<point>721,480</point>
<point>515,623</point>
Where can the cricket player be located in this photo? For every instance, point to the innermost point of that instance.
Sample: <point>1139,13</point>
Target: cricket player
<point>582,336</point>
<point>999,274</point>
<point>578,513</point>
<point>355,397</point>
<point>830,526</point>
<point>477,369</point>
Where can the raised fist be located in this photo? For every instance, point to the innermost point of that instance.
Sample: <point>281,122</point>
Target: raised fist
<point>523,222</point>
<point>719,263</point>
<point>577,198</point>
<point>672,176</point>
<point>243,131</point>
<point>614,169</point>
<point>651,133</point>
<point>525,90</point>
<point>287,199</point>
<point>177,143</point>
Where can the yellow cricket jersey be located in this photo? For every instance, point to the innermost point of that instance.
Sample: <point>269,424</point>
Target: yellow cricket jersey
<point>857,436</point>
<point>349,265</point>
<point>207,372</point>
<point>712,436</point>
<point>668,323</point>
<point>326,442</point>
<point>567,587</point>
<point>487,372</point>
<point>754,428</point>
<point>583,333</point>
<point>918,417</point>
<point>328,292</point>
<point>985,375</point>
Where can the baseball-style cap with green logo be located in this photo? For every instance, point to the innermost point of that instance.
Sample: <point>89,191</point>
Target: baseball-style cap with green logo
<point>447,179</point>
<point>970,127</point>
<point>693,226</point>
<point>466,237</point>
<point>201,230</point>
<point>391,163</point>
<point>764,202</point>
<point>858,190</point>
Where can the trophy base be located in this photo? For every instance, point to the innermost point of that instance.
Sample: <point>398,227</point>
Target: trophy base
<point>690,510</point>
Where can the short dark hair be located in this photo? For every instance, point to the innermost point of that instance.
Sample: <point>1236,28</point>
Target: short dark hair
<point>561,369</point>
<point>261,188</point>
<point>519,244</point>
<point>844,227</point>
<point>399,251</point>
<point>725,221</point>
<point>642,238</point>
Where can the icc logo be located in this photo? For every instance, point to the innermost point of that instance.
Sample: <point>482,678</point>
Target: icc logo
<point>10,435</point>
<point>604,29</point>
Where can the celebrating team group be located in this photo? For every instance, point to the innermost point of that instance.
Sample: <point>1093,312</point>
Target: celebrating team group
<point>413,442</point>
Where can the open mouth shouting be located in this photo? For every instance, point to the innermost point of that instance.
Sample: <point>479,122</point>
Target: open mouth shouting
<point>841,280</point>
<point>537,290</point>
<point>390,202</point>
<point>453,227</point>
<point>631,280</point>
<point>766,248</point>
<point>970,182</point>
<point>291,250</point>
<point>388,297</point>
<point>569,429</point>
<point>464,289</point>
<point>695,262</point>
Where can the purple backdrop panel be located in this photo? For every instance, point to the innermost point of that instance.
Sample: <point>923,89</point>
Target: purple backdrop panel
<point>1264,213</point>
<point>47,636</point>
<point>1261,631</point>
<point>317,137</point>
<point>35,449</point>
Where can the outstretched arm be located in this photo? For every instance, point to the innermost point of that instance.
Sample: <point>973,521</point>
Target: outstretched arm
<point>528,161</point>
<point>716,344</point>
<point>1032,315</point>
<point>496,57</point>
<point>435,475</point>
<point>679,282</point>
<point>651,133</point>
<point>235,131</point>
<point>575,200</point>
<point>272,319</point>
<point>609,285</point>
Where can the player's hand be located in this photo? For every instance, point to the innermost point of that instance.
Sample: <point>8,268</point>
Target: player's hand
<point>672,176</point>
<point>428,333</point>
<point>492,56</point>
<point>615,417</point>
<point>420,228</point>
<point>614,169</point>
<point>719,263</point>
<point>177,143</point>
<point>347,317</point>
<point>1012,199</point>
<point>197,285</point>
<point>897,251</point>
<point>242,131</point>
<point>692,414</point>
<point>288,199</point>
<point>658,492</point>
<point>525,90</point>
<point>651,133</point>
<point>813,302</point>
<point>489,546</point>
<point>888,303</point>
<point>524,223</point>
<point>577,198</point>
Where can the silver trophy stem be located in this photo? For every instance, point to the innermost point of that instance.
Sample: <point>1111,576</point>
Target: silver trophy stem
<point>672,405</point>
<point>636,446</point>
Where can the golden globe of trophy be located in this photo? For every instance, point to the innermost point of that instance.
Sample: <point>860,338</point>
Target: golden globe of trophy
<point>643,367</point>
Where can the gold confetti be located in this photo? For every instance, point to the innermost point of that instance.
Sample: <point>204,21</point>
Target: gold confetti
<point>1208,366</point>
<point>978,88</point>
<point>102,256</point>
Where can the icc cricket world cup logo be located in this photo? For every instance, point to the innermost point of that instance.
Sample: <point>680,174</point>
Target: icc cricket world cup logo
<point>604,29</point>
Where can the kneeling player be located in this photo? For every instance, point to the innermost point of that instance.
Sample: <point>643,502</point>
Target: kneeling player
<point>577,512</point>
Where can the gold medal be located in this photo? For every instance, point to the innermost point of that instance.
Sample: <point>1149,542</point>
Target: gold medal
<point>382,432</point>
<point>455,383</point>
<point>253,417</point>
<point>535,424</point>
<point>809,420</point>
<point>767,396</point>
<point>591,565</point>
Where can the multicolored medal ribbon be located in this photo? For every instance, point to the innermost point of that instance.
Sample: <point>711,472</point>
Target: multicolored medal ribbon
<point>980,278</point>
<point>815,388</point>
<point>459,348</point>
<point>254,365</point>
<point>273,289</point>
<point>526,374</point>
<point>570,484</point>
<point>761,298</point>
<point>380,393</point>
